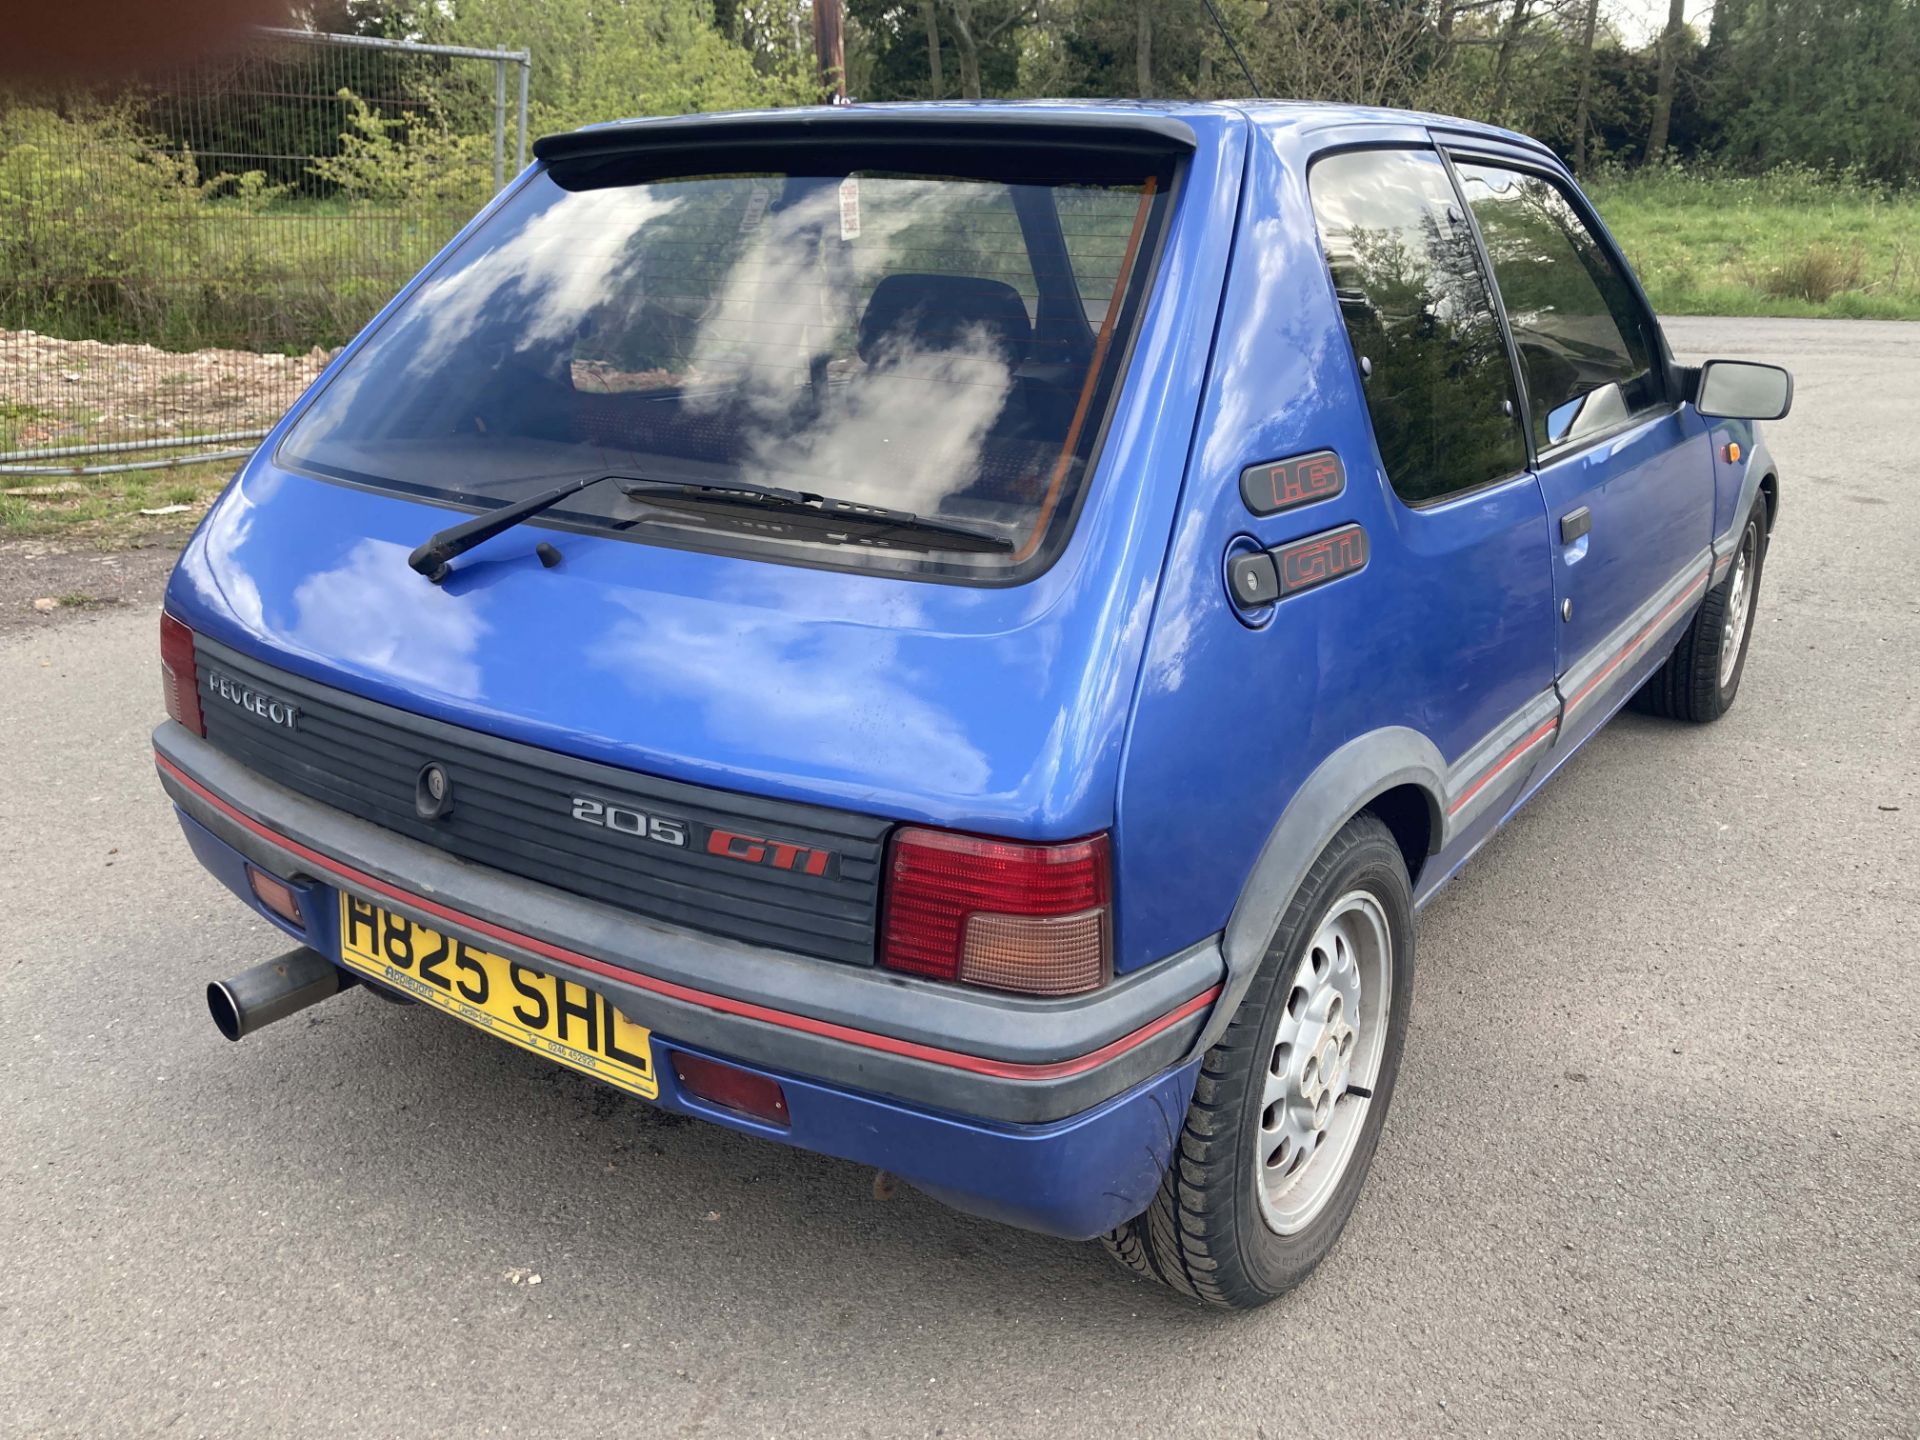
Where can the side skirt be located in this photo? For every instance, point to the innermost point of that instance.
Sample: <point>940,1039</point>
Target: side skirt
<point>1488,784</point>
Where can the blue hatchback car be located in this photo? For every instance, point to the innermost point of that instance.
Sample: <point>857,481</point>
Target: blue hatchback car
<point>959,637</point>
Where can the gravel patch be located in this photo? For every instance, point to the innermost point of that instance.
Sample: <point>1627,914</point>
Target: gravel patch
<point>76,392</point>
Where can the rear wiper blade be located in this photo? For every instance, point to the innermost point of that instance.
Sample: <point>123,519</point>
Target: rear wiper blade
<point>862,523</point>
<point>865,523</point>
<point>431,556</point>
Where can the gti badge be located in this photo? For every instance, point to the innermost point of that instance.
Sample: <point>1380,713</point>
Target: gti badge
<point>433,793</point>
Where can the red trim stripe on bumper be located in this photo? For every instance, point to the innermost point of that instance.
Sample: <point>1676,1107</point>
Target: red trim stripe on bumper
<point>727,1005</point>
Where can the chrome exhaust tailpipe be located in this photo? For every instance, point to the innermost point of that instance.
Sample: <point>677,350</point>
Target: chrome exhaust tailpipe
<point>273,990</point>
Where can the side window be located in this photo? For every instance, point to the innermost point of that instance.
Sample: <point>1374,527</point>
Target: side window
<point>1580,333</point>
<point>1421,321</point>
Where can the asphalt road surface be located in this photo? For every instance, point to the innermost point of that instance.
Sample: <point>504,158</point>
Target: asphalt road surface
<point>1653,1165</point>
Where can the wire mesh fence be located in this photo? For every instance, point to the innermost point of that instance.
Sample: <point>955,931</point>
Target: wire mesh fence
<point>180,256</point>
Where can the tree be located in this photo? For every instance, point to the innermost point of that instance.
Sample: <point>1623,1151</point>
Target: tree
<point>1510,42</point>
<point>1823,83</point>
<point>1670,41</point>
<point>913,49</point>
<point>975,33</point>
<point>1143,48</point>
<point>930,15</point>
<point>1583,100</point>
<point>969,45</point>
<point>595,61</point>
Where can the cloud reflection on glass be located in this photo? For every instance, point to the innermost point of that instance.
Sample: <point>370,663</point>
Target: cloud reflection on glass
<point>915,343</point>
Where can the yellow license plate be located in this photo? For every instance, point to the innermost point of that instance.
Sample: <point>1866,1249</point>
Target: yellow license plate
<point>556,1018</point>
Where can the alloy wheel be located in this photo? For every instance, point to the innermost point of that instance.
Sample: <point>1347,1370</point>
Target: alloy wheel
<point>1739,604</point>
<point>1325,1059</point>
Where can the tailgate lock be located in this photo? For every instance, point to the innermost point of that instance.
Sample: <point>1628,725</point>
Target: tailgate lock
<point>433,792</point>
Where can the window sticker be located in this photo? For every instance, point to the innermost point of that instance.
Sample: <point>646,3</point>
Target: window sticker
<point>850,208</point>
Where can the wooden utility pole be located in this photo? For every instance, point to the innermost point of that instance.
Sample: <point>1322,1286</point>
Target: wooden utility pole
<point>830,48</point>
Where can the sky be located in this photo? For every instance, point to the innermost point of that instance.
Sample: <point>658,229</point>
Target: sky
<point>1638,21</point>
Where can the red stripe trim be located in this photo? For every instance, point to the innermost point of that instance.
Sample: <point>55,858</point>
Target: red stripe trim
<point>1545,729</point>
<point>1634,644</point>
<point>1550,726</point>
<point>726,1005</point>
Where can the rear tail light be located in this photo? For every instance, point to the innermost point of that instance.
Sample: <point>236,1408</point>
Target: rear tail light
<point>731,1088</point>
<point>178,680</point>
<point>1032,918</point>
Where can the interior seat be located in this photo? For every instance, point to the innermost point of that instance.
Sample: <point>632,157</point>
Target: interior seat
<point>940,312</point>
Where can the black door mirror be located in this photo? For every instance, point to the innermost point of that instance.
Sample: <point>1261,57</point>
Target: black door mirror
<point>1742,390</point>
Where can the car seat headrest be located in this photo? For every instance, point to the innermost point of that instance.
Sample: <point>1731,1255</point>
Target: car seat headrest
<point>939,312</point>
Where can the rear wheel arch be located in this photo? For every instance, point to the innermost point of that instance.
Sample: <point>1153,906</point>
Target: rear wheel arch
<point>1394,773</point>
<point>1287,1107</point>
<point>1412,812</point>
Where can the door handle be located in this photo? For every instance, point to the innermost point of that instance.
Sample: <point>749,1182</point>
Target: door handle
<point>1574,524</point>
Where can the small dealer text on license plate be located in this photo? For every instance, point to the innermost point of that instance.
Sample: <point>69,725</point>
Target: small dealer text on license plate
<point>556,1018</point>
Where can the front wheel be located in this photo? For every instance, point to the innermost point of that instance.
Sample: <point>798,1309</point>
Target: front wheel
<point>1701,677</point>
<point>1288,1105</point>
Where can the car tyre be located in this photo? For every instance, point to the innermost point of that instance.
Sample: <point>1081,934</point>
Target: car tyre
<point>1700,678</point>
<point>1287,1107</point>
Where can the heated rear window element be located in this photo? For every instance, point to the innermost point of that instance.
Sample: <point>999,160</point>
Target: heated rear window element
<point>938,345</point>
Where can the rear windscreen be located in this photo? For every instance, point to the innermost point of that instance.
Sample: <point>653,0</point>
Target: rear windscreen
<point>936,346</point>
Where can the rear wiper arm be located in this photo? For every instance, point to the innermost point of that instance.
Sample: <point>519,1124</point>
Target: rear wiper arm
<point>431,556</point>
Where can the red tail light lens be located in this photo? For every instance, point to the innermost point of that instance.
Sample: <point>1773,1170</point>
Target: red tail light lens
<point>178,680</point>
<point>1032,918</point>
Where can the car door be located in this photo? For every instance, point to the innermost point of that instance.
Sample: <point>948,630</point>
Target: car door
<point>1464,532</point>
<point>1624,467</point>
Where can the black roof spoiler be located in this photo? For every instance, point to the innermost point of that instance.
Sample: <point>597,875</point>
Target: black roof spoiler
<point>773,130</point>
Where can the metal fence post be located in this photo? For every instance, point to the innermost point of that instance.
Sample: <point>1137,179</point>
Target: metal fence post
<point>526,69</point>
<point>499,124</point>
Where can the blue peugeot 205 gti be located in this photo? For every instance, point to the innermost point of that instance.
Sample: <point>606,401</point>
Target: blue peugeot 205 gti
<point>959,637</point>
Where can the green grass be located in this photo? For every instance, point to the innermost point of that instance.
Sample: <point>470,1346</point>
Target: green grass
<point>1787,243</point>
<point>104,510</point>
<point>15,416</point>
<point>286,277</point>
